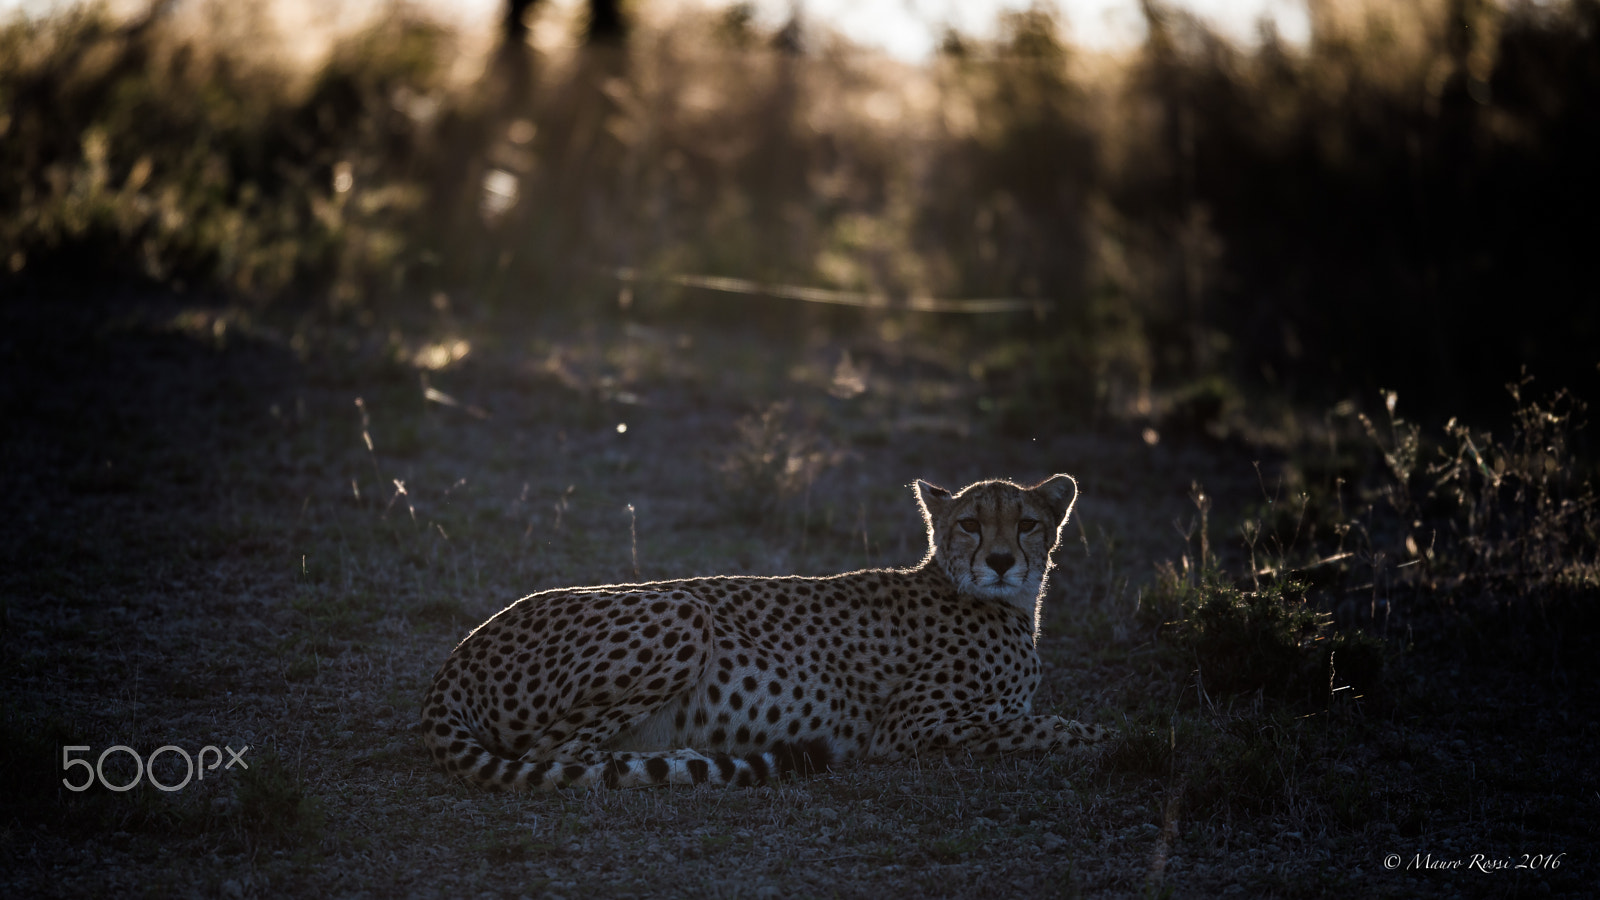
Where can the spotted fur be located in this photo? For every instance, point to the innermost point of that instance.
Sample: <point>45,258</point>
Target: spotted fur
<point>739,680</point>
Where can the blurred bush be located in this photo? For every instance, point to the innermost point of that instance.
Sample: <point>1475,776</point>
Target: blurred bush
<point>147,148</point>
<point>1402,203</point>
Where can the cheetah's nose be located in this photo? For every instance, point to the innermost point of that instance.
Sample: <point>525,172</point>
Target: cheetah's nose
<point>1000,562</point>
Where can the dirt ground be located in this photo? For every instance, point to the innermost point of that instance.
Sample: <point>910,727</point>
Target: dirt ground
<point>240,530</point>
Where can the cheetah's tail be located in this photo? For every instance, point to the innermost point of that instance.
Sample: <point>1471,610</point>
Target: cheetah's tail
<point>668,767</point>
<point>461,755</point>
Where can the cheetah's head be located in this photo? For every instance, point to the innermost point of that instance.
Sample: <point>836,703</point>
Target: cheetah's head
<point>994,538</point>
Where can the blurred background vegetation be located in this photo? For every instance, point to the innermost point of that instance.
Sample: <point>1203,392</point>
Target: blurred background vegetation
<point>1404,202</point>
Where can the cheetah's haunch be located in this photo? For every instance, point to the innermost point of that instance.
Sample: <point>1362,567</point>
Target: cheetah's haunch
<point>737,680</point>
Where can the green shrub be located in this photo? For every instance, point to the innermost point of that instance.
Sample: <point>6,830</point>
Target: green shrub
<point>273,802</point>
<point>1521,513</point>
<point>1456,521</point>
<point>1274,640</point>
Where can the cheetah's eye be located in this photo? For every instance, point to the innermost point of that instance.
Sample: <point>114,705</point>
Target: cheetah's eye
<point>1026,526</point>
<point>970,526</point>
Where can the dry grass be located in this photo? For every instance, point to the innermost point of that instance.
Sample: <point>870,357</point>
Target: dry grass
<point>204,550</point>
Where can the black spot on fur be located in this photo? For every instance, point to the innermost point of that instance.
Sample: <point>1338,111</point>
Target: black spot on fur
<point>657,769</point>
<point>613,772</point>
<point>758,766</point>
<point>807,757</point>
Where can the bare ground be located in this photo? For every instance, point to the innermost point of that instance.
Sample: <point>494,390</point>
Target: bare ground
<point>209,544</point>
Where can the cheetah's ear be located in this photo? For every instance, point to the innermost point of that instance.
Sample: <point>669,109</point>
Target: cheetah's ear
<point>931,498</point>
<point>1061,492</point>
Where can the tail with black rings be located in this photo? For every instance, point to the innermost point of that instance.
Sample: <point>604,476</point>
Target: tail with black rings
<point>459,754</point>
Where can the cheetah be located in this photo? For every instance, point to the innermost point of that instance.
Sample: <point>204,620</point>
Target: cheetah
<point>744,680</point>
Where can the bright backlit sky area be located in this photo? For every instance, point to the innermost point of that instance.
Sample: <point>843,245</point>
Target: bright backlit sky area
<point>911,29</point>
